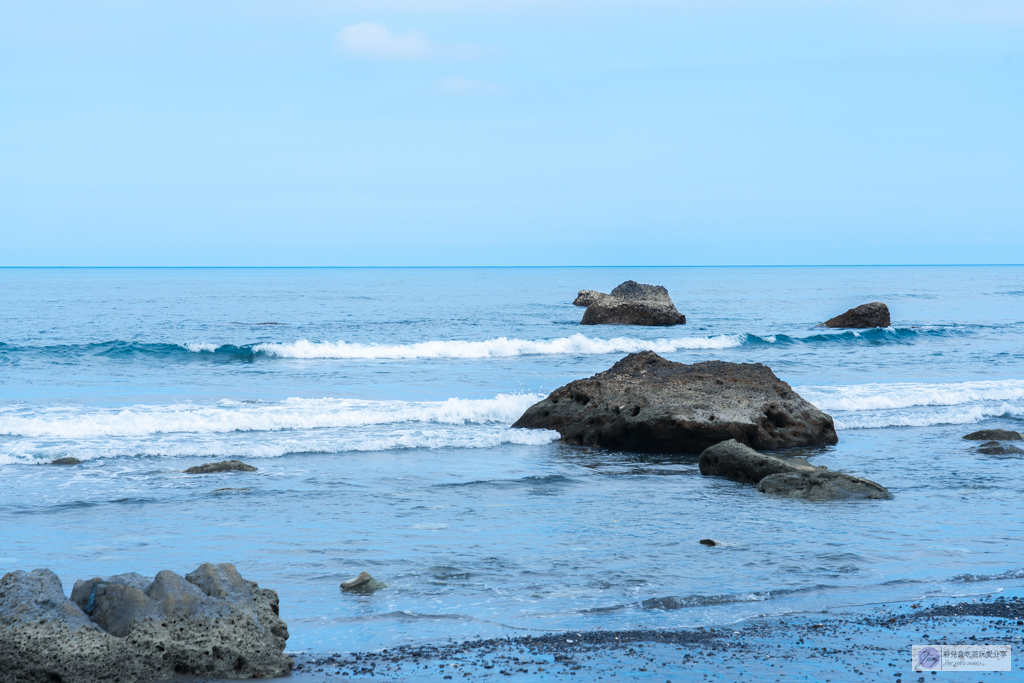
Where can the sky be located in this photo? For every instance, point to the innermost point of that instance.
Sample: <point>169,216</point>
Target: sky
<point>502,132</point>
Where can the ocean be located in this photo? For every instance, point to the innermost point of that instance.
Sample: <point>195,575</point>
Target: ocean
<point>376,404</point>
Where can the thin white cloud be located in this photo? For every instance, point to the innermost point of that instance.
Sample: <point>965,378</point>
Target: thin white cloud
<point>375,41</point>
<point>457,85</point>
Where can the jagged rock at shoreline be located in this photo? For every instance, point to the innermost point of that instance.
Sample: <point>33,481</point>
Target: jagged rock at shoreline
<point>996,448</point>
<point>792,477</point>
<point>994,435</point>
<point>585,297</point>
<point>222,466</point>
<point>647,403</point>
<point>130,628</point>
<point>364,583</point>
<point>66,461</point>
<point>875,314</point>
<point>631,303</point>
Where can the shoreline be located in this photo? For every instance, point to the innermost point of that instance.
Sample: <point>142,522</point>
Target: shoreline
<point>868,643</point>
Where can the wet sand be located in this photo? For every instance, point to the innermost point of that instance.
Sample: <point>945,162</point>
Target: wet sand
<point>871,643</point>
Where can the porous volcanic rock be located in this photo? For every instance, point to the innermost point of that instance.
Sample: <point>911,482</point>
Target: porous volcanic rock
<point>994,435</point>
<point>792,477</point>
<point>875,314</point>
<point>222,466</point>
<point>585,297</point>
<point>647,403</point>
<point>632,303</point>
<point>130,628</point>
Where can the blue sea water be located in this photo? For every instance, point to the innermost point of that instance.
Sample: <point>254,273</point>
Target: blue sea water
<point>377,408</point>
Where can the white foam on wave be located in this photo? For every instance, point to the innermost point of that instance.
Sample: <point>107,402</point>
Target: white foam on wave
<point>76,422</point>
<point>199,347</point>
<point>501,347</point>
<point>917,404</point>
<point>275,444</point>
<point>907,395</point>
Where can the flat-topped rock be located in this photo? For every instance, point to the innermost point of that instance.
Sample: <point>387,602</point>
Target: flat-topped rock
<point>875,314</point>
<point>631,303</point>
<point>222,466</point>
<point>66,461</point>
<point>132,628</point>
<point>789,477</point>
<point>994,435</point>
<point>647,403</point>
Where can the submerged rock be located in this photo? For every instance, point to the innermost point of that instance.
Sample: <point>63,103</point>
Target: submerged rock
<point>996,448</point>
<point>631,303</point>
<point>364,583</point>
<point>647,403</point>
<point>734,460</point>
<point>875,314</point>
<point>994,435</point>
<point>821,484</point>
<point>222,466</point>
<point>585,297</point>
<point>792,477</point>
<point>131,628</point>
<point>66,461</point>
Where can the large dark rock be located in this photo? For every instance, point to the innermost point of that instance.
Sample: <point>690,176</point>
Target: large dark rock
<point>875,314</point>
<point>791,477</point>
<point>130,628</point>
<point>222,466</point>
<point>631,303</point>
<point>647,403</point>
<point>994,435</point>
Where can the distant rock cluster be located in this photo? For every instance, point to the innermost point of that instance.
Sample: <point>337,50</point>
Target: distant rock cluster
<point>631,303</point>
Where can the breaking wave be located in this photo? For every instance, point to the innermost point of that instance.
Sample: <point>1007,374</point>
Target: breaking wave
<point>918,404</point>
<point>237,429</point>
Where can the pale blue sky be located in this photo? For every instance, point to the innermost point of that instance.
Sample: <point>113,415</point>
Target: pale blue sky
<point>450,132</point>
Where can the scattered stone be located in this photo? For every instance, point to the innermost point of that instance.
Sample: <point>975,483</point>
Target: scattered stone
<point>66,461</point>
<point>793,477</point>
<point>875,314</point>
<point>631,303</point>
<point>994,435</point>
<point>130,628</point>
<point>364,583</point>
<point>585,297</point>
<point>708,542</point>
<point>646,403</point>
<point>222,466</point>
<point>996,448</point>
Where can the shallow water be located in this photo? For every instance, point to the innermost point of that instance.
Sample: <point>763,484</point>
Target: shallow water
<point>377,410</point>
